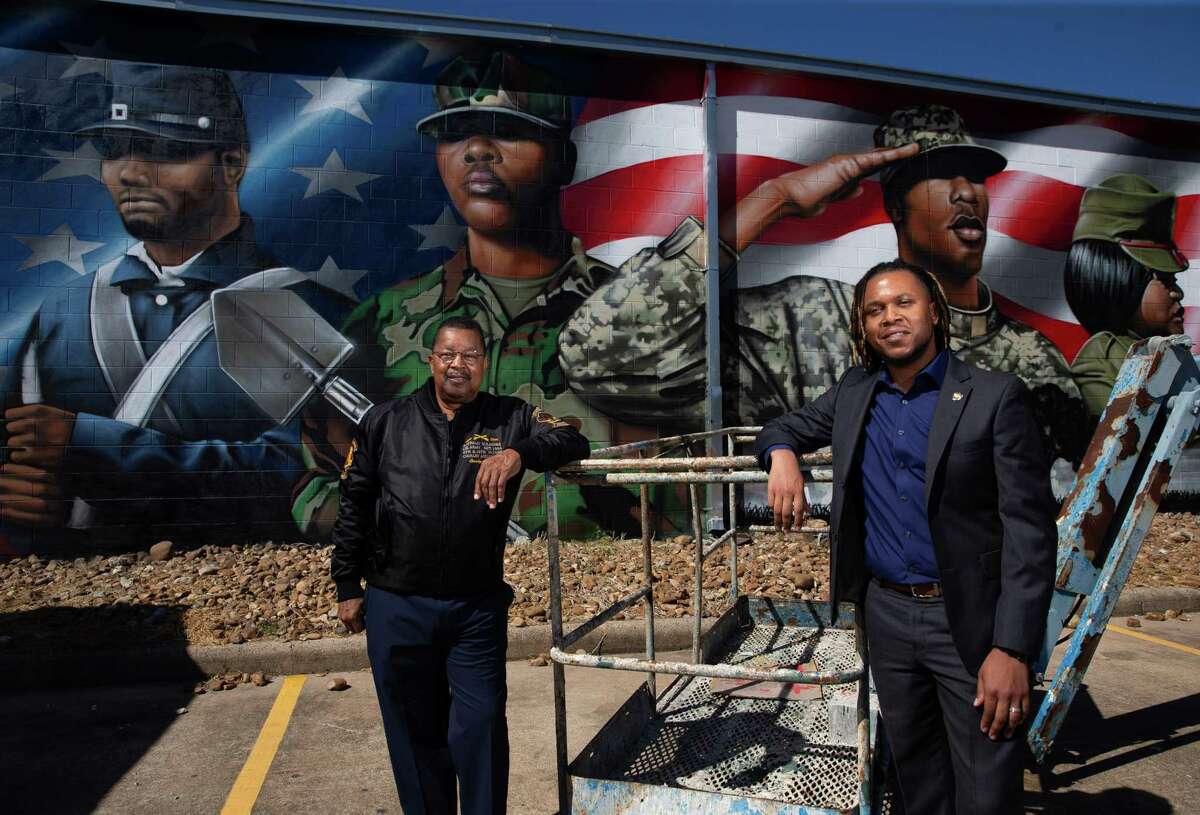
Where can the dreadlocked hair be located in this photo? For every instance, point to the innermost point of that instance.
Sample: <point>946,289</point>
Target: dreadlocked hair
<point>861,351</point>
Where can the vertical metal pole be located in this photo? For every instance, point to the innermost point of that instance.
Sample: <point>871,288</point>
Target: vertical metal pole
<point>648,578</point>
<point>713,418</point>
<point>864,717</point>
<point>698,589</point>
<point>556,635</point>
<point>731,448</point>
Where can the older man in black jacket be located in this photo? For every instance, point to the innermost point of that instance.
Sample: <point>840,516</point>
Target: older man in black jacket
<point>943,527</point>
<point>427,491</point>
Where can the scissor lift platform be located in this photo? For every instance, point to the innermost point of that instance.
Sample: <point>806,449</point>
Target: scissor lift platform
<point>700,751</point>
<point>804,746</point>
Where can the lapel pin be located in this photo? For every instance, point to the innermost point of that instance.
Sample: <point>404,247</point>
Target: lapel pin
<point>956,396</point>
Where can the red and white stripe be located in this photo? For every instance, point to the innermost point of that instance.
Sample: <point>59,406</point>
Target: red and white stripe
<point>640,171</point>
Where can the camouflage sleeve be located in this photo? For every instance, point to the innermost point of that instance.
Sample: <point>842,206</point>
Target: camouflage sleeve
<point>793,344</point>
<point>635,348</point>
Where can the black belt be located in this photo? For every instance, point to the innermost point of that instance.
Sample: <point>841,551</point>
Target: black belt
<point>912,589</point>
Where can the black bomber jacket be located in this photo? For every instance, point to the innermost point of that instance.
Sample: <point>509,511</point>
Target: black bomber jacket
<point>408,520</point>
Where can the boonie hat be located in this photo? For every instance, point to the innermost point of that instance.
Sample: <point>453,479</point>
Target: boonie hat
<point>947,148</point>
<point>1131,212</point>
<point>501,85</point>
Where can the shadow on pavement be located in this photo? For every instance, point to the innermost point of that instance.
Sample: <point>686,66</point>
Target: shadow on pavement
<point>1087,736</point>
<point>1117,801</point>
<point>65,750</point>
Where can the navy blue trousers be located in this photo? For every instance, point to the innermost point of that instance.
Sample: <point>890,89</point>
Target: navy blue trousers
<point>439,672</point>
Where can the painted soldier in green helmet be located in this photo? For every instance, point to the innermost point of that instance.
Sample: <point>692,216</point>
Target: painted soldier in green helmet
<point>503,152</point>
<point>1120,278</point>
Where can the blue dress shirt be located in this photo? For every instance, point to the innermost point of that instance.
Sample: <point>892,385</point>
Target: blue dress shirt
<point>899,545</point>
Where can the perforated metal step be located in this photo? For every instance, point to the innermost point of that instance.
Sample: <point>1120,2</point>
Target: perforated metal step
<point>761,748</point>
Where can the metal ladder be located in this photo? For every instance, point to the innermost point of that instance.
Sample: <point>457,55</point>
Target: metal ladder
<point>1151,414</point>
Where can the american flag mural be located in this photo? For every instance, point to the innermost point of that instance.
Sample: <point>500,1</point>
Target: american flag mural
<point>641,170</point>
<point>338,183</point>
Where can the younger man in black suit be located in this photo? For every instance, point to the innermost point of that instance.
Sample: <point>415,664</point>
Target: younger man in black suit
<point>943,527</point>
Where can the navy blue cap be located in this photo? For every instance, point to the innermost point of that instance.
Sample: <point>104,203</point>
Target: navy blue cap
<point>196,105</point>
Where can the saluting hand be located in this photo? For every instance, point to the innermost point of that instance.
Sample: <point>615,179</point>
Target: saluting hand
<point>805,193</point>
<point>494,473</point>
<point>808,191</point>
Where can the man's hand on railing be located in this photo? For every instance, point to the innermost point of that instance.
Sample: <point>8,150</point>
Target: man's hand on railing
<point>785,490</point>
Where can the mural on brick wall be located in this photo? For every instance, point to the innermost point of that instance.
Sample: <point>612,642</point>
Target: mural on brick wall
<point>215,266</point>
<point>215,258</point>
<point>1057,235</point>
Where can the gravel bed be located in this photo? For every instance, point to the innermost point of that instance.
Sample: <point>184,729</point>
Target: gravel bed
<point>208,594</point>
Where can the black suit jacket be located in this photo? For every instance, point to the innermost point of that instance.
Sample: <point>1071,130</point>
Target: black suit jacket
<point>987,495</point>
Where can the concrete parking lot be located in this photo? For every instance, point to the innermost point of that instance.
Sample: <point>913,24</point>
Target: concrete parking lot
<point>1130,745</point>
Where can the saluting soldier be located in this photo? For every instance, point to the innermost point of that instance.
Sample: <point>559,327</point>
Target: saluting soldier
<point>791,339</point>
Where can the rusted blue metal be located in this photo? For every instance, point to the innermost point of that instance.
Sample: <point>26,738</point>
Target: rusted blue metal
<point>662,757</point>
<point>697,570</point>
<point>670,441</point>
<point>682,464</point>
<point>1150,415</point>
<point>604,616</point>
<point>731,508</point>
<point>597,796</point>
<point>711,671</point>
<point>634,464</point>
<point>648,583</point>
<point>556,637</point>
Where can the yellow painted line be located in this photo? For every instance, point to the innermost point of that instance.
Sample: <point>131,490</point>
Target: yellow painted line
<point>254,772</point>
<point>1187,649</point>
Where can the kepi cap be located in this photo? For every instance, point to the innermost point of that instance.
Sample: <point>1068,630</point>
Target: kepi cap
<point>195,105</point>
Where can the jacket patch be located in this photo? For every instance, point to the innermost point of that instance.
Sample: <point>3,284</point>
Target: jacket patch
<point>542,417</point>
<point>480,446</point>
<point>349,459</point>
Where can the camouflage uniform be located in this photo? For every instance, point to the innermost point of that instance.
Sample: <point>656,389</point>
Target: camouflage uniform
<point>990,340</point>
<point>395,329</point>
<point>636,349</point>
<point>398,325</point>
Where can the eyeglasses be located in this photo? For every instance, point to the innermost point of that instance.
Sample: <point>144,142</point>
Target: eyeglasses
<point>471,358</point>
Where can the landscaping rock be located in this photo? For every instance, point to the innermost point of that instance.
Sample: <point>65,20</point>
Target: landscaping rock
<point>161,551</point>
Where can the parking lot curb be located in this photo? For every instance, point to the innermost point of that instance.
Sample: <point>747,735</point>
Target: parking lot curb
<point>1139,600</point>
<point>274,657</point>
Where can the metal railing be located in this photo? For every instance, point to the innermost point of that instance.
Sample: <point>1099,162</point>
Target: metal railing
<point>629,464</point>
